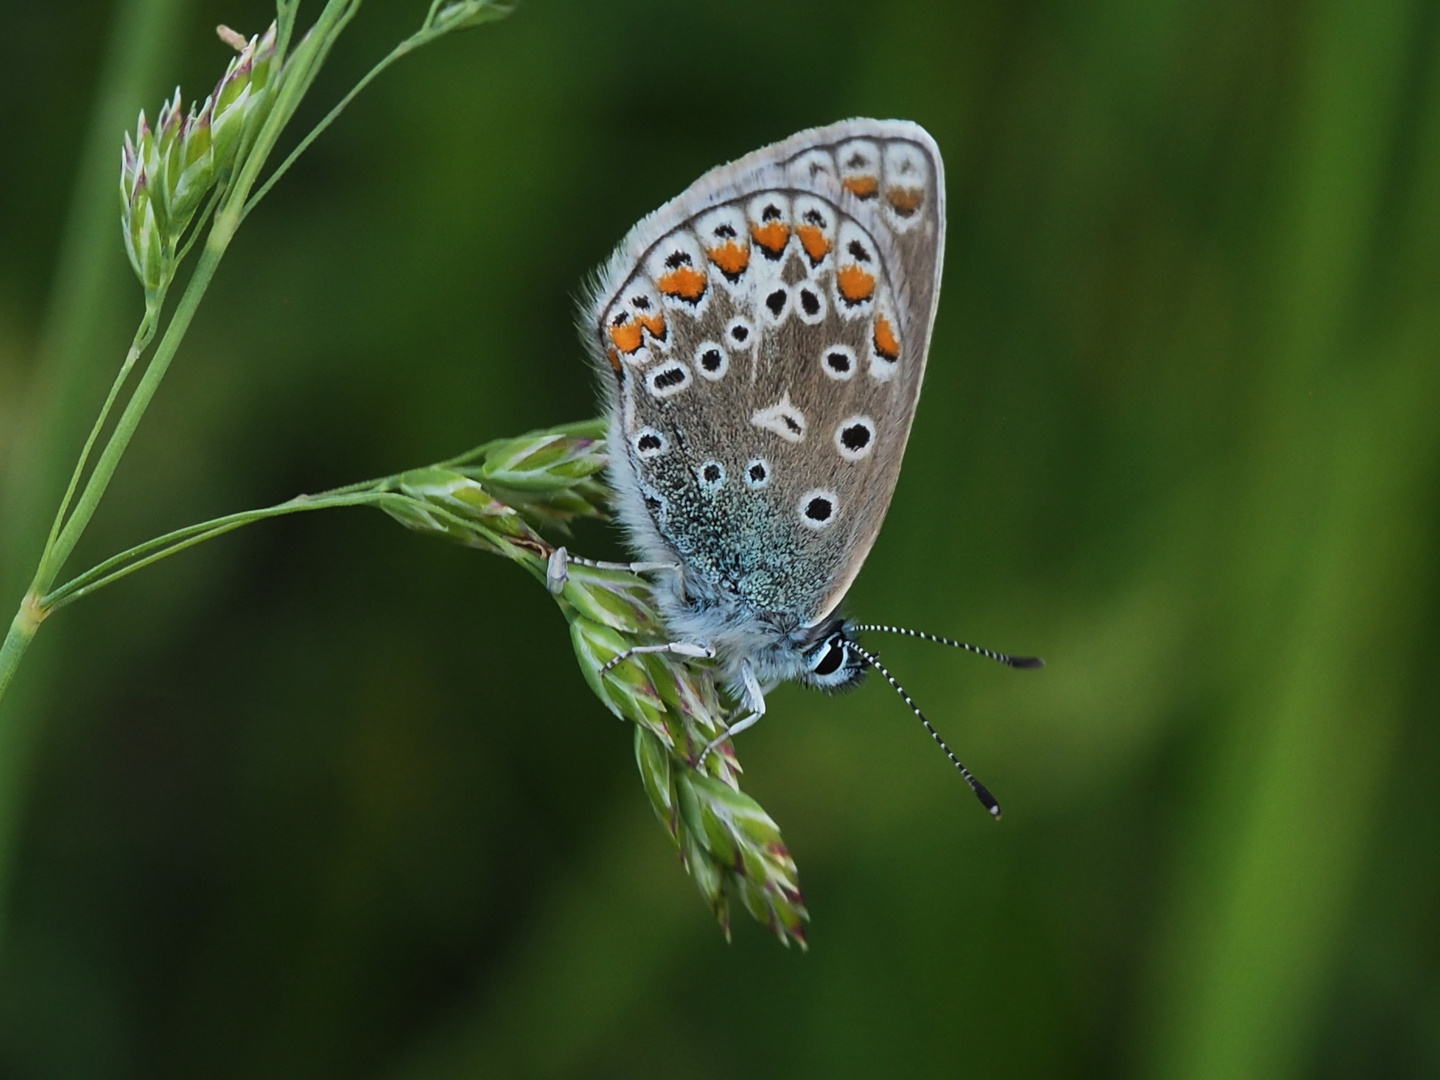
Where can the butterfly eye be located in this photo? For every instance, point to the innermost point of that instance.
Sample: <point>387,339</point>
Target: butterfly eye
<point>831,658</point>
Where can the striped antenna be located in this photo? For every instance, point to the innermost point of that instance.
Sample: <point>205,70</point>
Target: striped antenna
<point>1004,658</point>
<point>981,791</point>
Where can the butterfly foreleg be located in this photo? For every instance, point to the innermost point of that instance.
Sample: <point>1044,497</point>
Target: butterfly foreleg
<point>678,648</point>
<point>754,702</point>
<point>557,571</point>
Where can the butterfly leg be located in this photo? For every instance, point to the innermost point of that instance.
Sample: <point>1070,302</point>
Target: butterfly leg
<point>679,648</point>
<point>754,701</point>
<point>557,571</point>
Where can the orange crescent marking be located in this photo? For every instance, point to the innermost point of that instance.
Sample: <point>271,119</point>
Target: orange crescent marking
<point>812,239</point>
<point>772,236</point>
<point>614,358</point>
<point>685,282</point>
<point>862,187</point>
<point>654,323</point>
<point>855,284</point>
<point>886,343</point>
<point>730,257</point>
<point>628,336</point>
<point>905,200</point>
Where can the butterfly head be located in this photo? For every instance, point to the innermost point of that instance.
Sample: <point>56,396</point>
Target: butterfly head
<point>832,662</point>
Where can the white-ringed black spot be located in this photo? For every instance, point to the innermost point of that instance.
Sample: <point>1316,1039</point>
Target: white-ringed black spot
<point>813,217</point>
<point>712,476</point>
<point>711,360</point>
<point>810,304</point>
<point>776,302</point>
<point>739,331</point>
<point>838,362</point>
<point>642,302</point>
<point>677,259</point>
<point>649,443</point>
<point>668,379</point>
<point>818,509</point>
<point>855,437</point>
<point>725,232</point>
<point>757,474</point>
<point>857,250</point>
<point>771,213</point>
<point>655,503</point>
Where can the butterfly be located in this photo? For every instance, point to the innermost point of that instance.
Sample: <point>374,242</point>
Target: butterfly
<point>761,343</point>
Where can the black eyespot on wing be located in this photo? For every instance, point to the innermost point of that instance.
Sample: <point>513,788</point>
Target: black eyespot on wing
<point>857,249</point>
<point>838,362</point>
<point>740,332</point>
<point>819,508</point>
<point>669,377</point>
<point>725,232</point>
<point>770,213</point>
<point>641,302</point>
<point>757,473</point>
<point>793,424</point>
<point>712,472</point>
<point>649,441</point>
<point>677,259</point>
<point>855,437</point>
<point>809,302</point>
<point>813,217</point>
<point>652,503</point>
<point>776,302</point>
<point>711,360</point>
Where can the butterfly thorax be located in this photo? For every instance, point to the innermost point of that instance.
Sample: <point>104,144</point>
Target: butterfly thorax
<point>774,644</point>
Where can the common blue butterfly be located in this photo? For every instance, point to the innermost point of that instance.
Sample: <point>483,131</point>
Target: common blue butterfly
<point>761,341</point>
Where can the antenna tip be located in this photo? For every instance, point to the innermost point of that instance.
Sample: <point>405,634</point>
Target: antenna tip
<point>986,799</point>
<point>1026,662</point>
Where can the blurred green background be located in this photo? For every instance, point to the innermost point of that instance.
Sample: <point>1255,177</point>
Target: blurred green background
<point>326,799</point>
